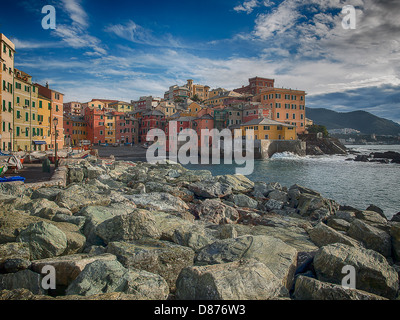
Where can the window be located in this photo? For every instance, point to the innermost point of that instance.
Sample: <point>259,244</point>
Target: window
<point>294,116</point>
<point>266,137</point>
<point>287,115</point>
<point>277,115</point>
<point>26,116</point>
<point>267,128</point>
<point>40,104</point>
<point>18,131</point>
<point>17,100</point>
<point>4,105</point>
<point>18,114</point>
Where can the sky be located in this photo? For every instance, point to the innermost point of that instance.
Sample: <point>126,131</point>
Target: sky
<point>124,49</point>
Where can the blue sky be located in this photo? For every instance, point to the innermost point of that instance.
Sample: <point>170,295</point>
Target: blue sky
<point>126,49</point>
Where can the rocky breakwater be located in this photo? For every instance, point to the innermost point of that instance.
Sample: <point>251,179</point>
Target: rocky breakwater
<point>130,231</point>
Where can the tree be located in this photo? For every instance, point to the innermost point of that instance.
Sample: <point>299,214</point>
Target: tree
<point>196,98</point>
<point>318,128</point>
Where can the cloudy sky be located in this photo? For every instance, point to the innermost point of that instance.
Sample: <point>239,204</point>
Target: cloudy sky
<point>124,49</point>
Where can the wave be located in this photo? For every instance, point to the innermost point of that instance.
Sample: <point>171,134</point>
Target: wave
<point>285,155</point>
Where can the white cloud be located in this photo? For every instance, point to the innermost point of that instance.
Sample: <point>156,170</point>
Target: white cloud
<point>76,12</point>
<point>247,6</point>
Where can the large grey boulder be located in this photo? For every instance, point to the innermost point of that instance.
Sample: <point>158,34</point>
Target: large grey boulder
<point>14,256</point>
<point>216,212</point>
<point>241,200</point>
<point>49,193</point>
<point>371,216</point>
<point>373,273</point>
<point>160,257</point>
<point>315,207</point>
<point>373,238</point>
<point>69,267</point>
<point>237,182</point>
<point>312,289</point>
<point>239,280</point>
<point>210,189</point>
<point>135,226</point>
<point>102,276</point>
<point>44,239</point>
<point>195,237</point>
<point>76,197</point>
<point>279,257</point>
<point>158,202</point>
<point>339,224</point>
<point>395,234</point>
<point>25,279</point>
<point>323,235</point>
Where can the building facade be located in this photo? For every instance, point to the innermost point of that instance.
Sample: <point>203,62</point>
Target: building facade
<point>256,85</point>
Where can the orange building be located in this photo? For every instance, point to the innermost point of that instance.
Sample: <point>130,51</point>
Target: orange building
<point>286,105</point>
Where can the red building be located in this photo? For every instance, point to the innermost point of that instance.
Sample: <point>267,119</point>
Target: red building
<point>94,119</point>
<point>126,128</point>
<point>256,85</point>
<point>202,123</point>
<point>256,111</point>
<point>151,120</point>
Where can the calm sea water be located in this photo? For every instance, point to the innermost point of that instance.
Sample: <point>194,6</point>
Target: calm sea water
<point>352,183</point>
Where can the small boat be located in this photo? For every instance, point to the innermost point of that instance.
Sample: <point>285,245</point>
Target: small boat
<point>11,179</point>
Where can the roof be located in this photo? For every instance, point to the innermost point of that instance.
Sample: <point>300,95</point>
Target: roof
<point>184,119</point>
<point>266,122</point>
<point>205,117</point>
<point>154,113</point>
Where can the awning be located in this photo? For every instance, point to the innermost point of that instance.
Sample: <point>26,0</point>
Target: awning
<point>39,142</point>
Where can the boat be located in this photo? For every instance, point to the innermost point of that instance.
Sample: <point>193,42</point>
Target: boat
<point>11,179</point>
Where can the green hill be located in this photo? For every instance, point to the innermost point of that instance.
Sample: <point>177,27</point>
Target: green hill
<point>363,121</point>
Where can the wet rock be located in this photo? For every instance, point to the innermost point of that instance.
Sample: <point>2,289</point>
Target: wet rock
<point>373,238</point>
<point>237,182</point>
<point>312,289</point>
<point>135,226</point>
<point>239,280</point>
<point>160,257</point>
<point>395,234</point>
<point>373,273</point>
<point>44,239</point>
<point>279,257</point>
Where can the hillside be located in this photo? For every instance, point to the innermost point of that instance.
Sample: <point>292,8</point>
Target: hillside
<point>363,121</point>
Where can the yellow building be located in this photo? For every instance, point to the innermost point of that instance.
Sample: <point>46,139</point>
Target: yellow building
<point>25,124</point>
<point>198,90</point>
<point>109,122</point>
<point>221,97</point>
<point>193,109</point>
<point>121,106</point>
<point>216,92</point>
<point>267,129</point>
<point>7,52</point>
<point>44,122</point>
<point>167,107</point>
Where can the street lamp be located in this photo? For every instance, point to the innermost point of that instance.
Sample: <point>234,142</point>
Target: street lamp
<point>55,121</point>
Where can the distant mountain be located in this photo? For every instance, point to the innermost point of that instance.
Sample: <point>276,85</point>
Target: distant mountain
<point>362,121</point>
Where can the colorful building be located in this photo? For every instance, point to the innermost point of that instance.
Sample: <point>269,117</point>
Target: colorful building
<point>255,86</point>
<point>220,99</point>
<point>198,90</point>
<point>256,110</point>
<point>287,106</point>
<point>44,121</point>
<point>26,131</point>
<point>7,52</point>
<point>74,130</point>
<point>267,129</point>
<point>95,125</point>
<point>57,112</point>
<point>73,108</point>
<point>151,120</point>
<point>146,103</point>
<point>121,106</point>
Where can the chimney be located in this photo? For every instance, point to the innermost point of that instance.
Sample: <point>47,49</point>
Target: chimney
<point>47,85</point>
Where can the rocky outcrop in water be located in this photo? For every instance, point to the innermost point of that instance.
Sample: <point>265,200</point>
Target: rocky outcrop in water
<point>127,231</point>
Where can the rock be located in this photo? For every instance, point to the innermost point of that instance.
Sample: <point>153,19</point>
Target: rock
<point>227,231</point>
<point>76,220</point>
<point>311,289</point>
<point>239,280</point>
<point>376,209</point>
<point>323,235</point>
<point>42,208</point>
<point>396,217</point>
<point>361,158</point>
<point>195,176</point>
<point>292,235</point>
<point>339,224</point>
<point>348,216</point>
<point>160,257</point>
<point>244,201</point>
<point>75,239</point>
<point>75,174</point>
<point>69,267</point>
<point>46,193</point>
<point>278,195</point>
<point>395,234</point>
<point>216,212</point>
<point>25,279</point>
<point>44,239</point>
<point>279,257</point>
<point>76,197</point>
<point>373,273</point>
<point>303,190</point>
<point>237,182</point>
<point>316,208</point>
<point>194,237</point>
<point>371,217</point>
<point>135,226</point>
<point>14,257</point>
<point>110,276</point>
<point>272,205</point>
<point>20,295</point>
<point>94,172</point>
<point>210,189</point>
<point>158,202</point>
<point>373,238</point>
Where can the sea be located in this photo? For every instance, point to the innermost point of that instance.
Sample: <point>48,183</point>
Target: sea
<point>357,184</point>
